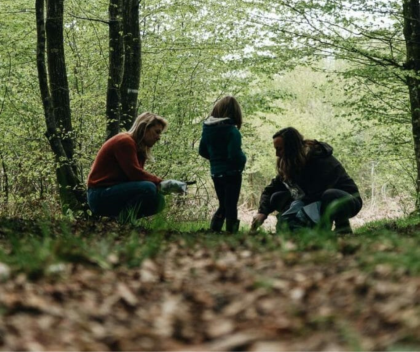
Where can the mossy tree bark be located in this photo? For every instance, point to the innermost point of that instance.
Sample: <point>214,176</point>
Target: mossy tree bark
<point>54,89</point>
<point>411,10</point>
<point>132,63</point>
<point>124,65</point>
<point>116,68</point>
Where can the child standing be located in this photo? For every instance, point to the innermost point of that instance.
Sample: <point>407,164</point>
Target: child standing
<point>221,144</point>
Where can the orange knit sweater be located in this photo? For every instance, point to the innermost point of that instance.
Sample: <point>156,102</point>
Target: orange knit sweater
<point>118,161</point>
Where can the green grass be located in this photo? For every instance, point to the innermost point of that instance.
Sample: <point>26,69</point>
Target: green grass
<point>394,243</point>
<point>265,264</point>
<point>36,247</point>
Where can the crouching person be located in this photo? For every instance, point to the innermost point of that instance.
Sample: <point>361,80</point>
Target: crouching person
<point>118,184</point>
<point>311,187</point>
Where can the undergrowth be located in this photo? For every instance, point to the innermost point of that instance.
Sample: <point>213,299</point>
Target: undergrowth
<point>47,247</point>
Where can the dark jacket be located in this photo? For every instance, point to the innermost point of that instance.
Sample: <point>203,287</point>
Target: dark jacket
<point>321,172</point>
<point>221,144</point>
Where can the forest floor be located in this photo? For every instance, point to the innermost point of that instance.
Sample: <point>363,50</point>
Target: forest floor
<point>104,286</point>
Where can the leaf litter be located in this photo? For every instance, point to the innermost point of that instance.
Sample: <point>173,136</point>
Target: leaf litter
<point>215,293</point>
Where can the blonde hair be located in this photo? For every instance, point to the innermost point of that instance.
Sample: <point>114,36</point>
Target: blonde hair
<point>140,126</point>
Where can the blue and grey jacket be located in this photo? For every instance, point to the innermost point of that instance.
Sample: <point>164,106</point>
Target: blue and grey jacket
<point>221,144</point>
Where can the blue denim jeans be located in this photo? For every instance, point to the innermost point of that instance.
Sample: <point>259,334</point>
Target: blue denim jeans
<point>142,197</point>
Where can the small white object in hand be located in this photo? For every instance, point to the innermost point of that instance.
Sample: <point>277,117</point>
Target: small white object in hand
<point>173,186</point>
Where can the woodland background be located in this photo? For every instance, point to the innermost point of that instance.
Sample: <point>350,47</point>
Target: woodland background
<point>337,72</point>
<point>74,72</point>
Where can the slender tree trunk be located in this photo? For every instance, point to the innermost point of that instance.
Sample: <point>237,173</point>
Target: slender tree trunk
<point>411,10</point>
<point>5,181</point>
<point>41,188</point>
<point>116,67</point>
<point>56,102</point>
<point>59,86</point>
<point>132,63</point>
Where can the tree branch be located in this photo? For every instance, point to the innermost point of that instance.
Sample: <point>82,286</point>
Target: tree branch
<point>89,19</point>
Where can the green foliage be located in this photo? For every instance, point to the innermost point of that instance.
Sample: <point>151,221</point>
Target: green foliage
<point>192,54</point>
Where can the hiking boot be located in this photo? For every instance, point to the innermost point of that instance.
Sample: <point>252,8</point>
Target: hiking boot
<point>232,225</point>
<point>343,227</point>
<point>216,224</point>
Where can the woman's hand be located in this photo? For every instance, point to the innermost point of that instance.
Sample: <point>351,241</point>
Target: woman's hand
<point>257,221</point>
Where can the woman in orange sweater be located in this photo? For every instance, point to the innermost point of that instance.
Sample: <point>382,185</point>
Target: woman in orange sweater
<point>117,182</point>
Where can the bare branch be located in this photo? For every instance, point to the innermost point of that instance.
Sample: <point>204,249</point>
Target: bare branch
<point>89,19</point>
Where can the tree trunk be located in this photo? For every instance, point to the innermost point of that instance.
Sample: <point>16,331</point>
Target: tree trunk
<point>5,181</point>
<point>59,86</point>
<point>411,10</point>
<point>116,67</point>
<point>56,102</point>
<point>132,63</point>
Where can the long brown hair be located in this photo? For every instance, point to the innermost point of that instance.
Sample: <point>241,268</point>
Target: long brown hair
<point>294,153</point>
<point>140,126</point>
<point>228,107</point>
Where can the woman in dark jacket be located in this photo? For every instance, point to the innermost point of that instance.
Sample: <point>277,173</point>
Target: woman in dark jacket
<point>308,173</point>
<point>221,145</point>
